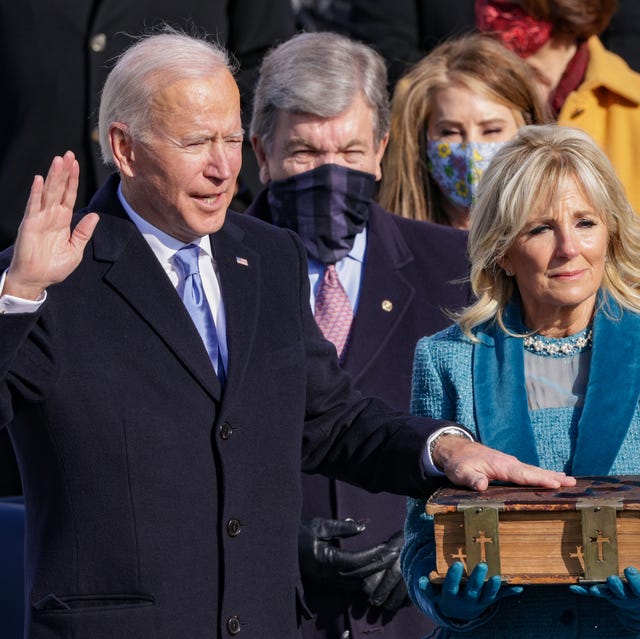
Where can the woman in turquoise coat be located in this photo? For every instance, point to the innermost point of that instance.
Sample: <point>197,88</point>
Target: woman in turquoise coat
<point>545,365</point>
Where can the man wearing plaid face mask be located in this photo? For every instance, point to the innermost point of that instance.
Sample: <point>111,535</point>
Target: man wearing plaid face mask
<point>378,283</point>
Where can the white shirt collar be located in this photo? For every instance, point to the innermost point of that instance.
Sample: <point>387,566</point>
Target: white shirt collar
<point>163,245</point>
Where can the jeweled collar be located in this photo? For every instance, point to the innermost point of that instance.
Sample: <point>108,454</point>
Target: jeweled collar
<point>559,346</point>
<point>611,397</point>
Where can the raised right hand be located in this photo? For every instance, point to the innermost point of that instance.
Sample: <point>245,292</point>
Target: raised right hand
<point>46,250</point>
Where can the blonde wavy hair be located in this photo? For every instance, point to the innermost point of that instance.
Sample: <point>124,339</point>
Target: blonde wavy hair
<point>523,178</point>
<point>477,62</point>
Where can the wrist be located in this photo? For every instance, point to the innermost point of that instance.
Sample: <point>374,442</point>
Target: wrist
<point>21,290</point>
<point>438,438</point>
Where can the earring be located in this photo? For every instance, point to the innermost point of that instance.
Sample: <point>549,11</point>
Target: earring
<point>507,272</point>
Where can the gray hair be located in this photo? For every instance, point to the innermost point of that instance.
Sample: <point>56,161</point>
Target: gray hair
<point>153,62</point>
<point>319,74</point>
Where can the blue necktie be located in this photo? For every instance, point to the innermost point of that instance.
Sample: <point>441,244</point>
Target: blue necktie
<point>195,301</point>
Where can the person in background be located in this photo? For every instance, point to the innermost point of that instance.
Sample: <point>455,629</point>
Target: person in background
<point>169,381</point>
<point>320,162</point>
<point>554,247</point>
<point>404,31</point>
<point>622,34</point>
<point>585,85</point>
<point>450,113</point>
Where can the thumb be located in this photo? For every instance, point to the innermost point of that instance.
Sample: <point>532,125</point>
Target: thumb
<point>470,478</point>
<point>479,482</point>
<point>84,230</point>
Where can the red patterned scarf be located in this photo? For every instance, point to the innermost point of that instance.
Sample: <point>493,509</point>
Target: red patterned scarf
<point>515,28</point>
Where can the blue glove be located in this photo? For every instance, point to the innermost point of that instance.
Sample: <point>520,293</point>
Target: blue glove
<point>624,596</point>
<point>471,601</point>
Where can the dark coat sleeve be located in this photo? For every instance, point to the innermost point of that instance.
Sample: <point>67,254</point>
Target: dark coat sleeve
<point>350,437</point>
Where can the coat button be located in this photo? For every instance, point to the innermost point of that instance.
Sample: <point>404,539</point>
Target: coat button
<point>234,527</point>
<point>225,431</point>
<point>98,42</point>
<point>233,625</point>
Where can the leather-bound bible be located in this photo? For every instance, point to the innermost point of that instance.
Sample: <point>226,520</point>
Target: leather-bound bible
<point>540,536</point>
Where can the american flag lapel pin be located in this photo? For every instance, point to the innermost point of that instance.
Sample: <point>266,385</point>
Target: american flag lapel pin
<point>242,261</point>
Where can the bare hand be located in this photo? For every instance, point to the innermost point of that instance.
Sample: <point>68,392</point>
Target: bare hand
<point>470,464</point>
<point>46,250</point>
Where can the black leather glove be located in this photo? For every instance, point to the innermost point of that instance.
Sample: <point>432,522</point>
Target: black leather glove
<point>321,560</point>
<point>386,588</point>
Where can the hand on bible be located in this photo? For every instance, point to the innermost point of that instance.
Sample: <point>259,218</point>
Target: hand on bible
<point>623,595</point>
<point>466,602</point>
<point>471,464</point>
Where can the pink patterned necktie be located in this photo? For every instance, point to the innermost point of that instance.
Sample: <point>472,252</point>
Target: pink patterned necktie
<point>333,310</point>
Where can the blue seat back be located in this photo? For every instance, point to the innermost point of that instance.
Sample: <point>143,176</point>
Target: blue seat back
<point>11,568</point>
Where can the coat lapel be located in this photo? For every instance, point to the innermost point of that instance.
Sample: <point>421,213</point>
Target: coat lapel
<point>612,391</point>
<point>141,281</point>
<point>499,391</point>
<point>385,295</point>
<point>239,268</point>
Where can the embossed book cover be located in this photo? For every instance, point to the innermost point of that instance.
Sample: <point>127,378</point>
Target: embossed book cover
<point>536,535</point>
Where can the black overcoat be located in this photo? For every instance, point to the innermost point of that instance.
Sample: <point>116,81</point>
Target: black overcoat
<point>159,506</point>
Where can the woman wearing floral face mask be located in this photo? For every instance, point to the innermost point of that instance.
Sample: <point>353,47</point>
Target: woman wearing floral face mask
<point>450,114</point>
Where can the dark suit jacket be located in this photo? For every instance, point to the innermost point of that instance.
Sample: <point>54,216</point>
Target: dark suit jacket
<point>408,281</point>
<point>157,506</point>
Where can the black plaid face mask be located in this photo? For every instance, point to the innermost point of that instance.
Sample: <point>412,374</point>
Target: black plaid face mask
<point>326,206</point>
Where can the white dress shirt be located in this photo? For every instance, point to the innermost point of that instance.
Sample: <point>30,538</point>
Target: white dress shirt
<point>164,247</point>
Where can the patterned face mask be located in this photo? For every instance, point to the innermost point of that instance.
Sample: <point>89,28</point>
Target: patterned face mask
<point>457,168</point>
<point>326,206</point>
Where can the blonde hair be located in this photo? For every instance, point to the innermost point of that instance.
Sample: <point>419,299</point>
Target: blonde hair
<point>477,62</point>
<point>523,178</point>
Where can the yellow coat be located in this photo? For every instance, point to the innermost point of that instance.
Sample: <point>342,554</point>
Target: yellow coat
<point>607,106</point>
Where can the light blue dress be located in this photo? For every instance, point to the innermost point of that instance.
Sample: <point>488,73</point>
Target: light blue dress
<point>483,387</point>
